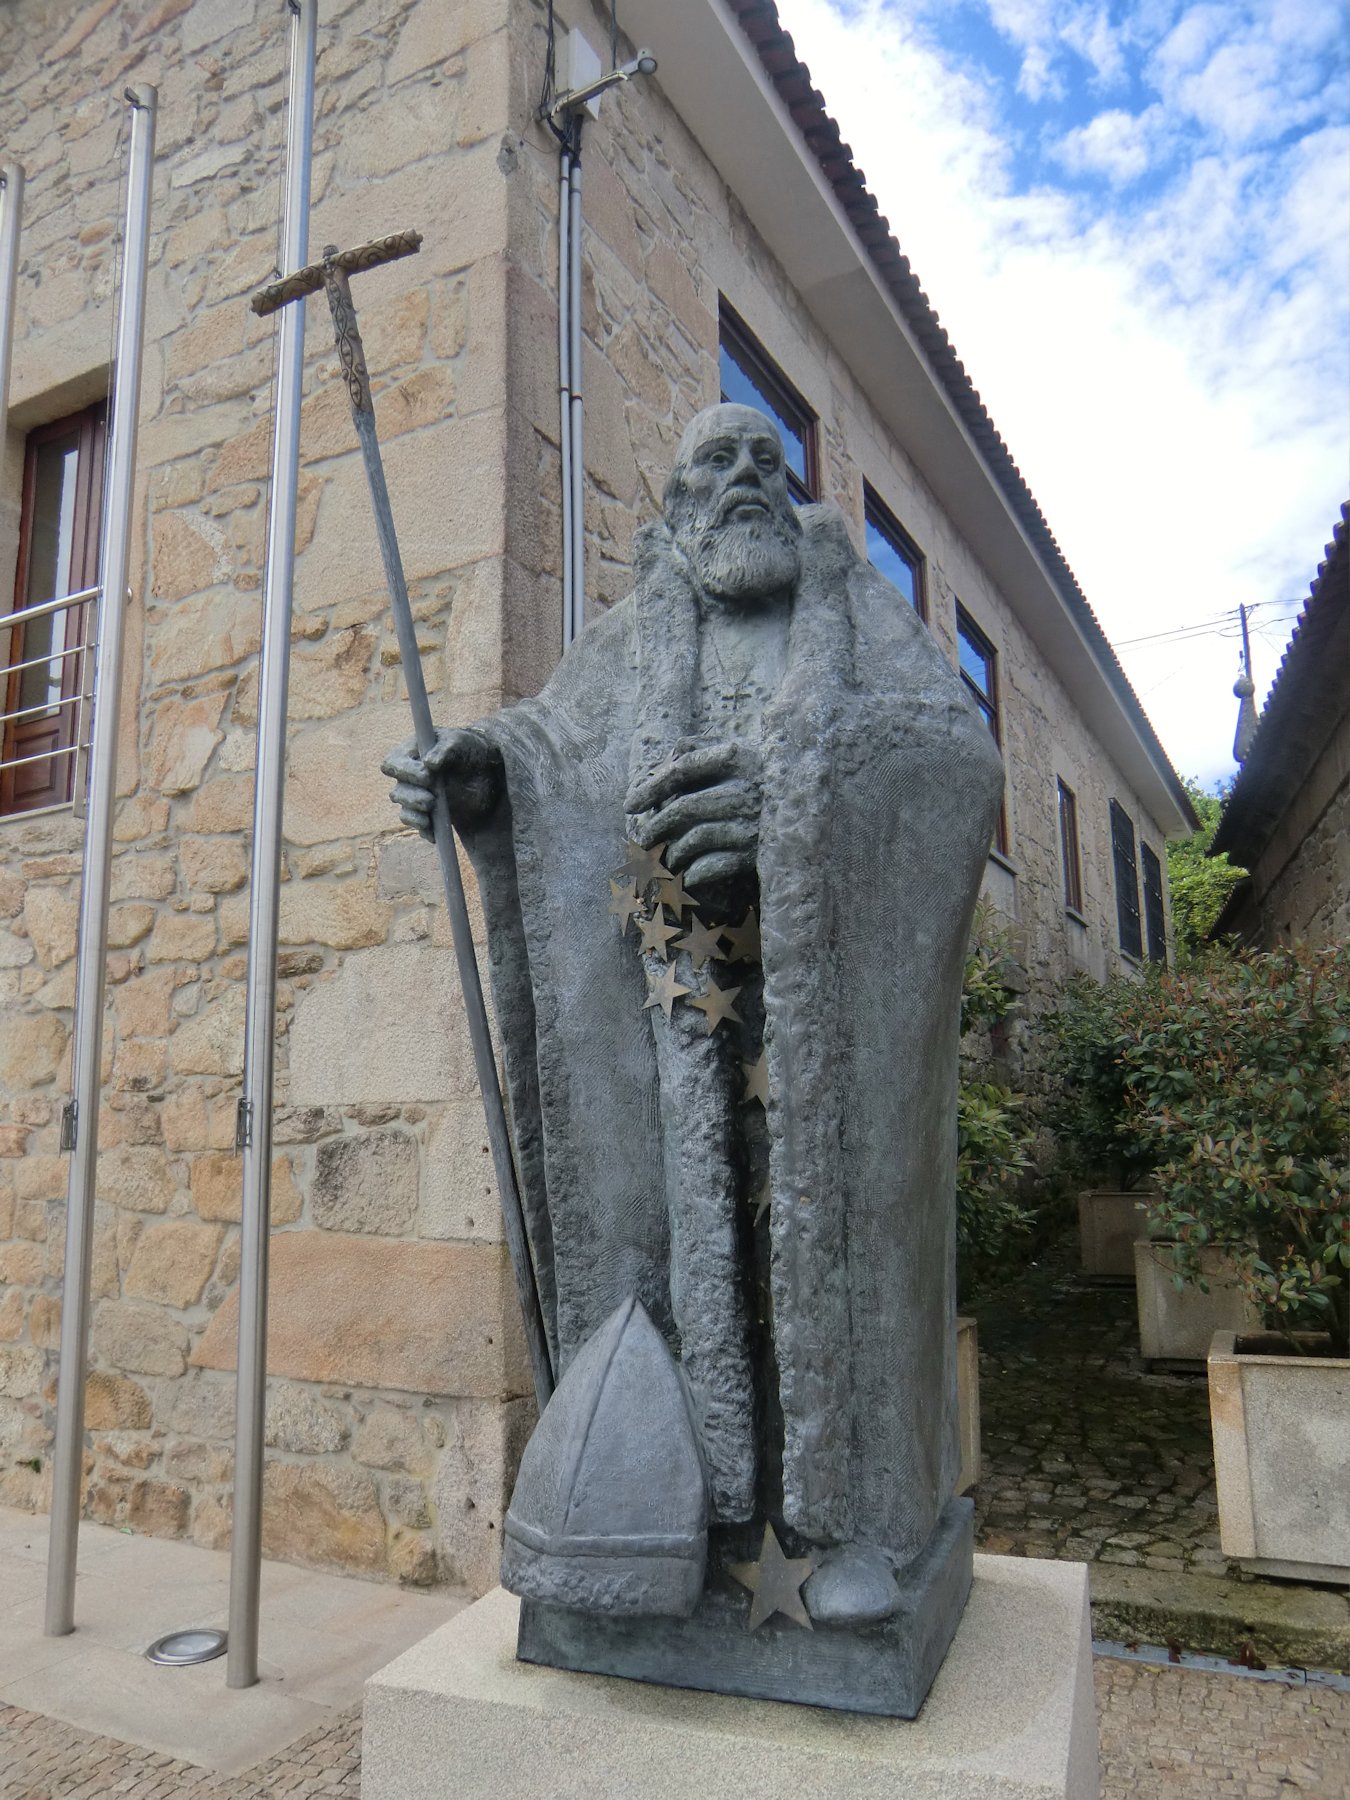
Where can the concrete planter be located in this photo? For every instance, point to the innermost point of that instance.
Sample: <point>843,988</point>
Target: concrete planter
<point>1177,1327</point>
<point>1281,1424</point>
<point>968,1401</point>
<point>1108,1224</point>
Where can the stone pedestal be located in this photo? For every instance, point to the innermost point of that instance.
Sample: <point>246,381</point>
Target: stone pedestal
<point>1010,1717</point>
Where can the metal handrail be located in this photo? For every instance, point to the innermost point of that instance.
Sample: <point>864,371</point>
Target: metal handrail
<point>18,762</point>
<point>49,606</point>
<point>44,708</point>
<point>40,662</point>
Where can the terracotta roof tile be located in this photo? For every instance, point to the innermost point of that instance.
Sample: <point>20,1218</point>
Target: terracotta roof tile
<point>1309,694</point>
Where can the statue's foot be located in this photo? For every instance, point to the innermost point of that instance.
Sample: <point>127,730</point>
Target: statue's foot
<point>854,1585</point>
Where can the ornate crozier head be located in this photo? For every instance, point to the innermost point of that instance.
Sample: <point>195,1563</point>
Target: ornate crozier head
<point>727,505</point>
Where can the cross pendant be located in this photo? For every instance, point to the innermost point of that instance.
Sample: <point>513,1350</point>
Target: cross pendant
<point>736,694</point>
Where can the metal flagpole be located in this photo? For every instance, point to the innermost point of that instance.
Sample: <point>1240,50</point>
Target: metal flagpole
<point>565,382</point>
<point>11,217</point>
<point>80,1120</point>
<point>254,1133</point>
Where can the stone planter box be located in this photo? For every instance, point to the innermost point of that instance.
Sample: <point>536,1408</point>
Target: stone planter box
<point>1178,1327</point>
<point>1108,1224</point>
<point>968,1401</point>
<point>1281,1425</point>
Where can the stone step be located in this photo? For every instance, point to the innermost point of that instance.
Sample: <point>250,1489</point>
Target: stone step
<point>1285,1622</point>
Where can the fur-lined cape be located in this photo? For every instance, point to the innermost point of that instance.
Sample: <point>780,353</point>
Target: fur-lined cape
<point>880,790</point>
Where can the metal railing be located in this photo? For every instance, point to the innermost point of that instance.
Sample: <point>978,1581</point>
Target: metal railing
<point>81,700</point>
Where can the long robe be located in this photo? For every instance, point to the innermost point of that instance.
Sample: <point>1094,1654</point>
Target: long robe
<point>881,786</point>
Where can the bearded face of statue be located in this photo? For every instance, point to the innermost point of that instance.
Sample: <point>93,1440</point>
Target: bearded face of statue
<point>728,507</point>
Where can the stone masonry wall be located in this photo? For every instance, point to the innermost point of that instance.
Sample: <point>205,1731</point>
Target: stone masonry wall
<point>1302,880</point>
<point>396,1407</point>
<point>663,236</point>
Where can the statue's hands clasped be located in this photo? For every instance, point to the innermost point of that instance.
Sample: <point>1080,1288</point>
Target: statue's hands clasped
<point>468,766</point>
<point>703,804</point>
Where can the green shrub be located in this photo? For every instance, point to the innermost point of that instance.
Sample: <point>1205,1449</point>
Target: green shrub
<point>1199,883</point>
<point>994,1132</point>
<point>1237,1083</point>
<point>1096,1138</point>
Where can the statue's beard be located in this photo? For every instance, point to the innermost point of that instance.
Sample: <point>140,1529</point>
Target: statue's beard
<point>746,558</point>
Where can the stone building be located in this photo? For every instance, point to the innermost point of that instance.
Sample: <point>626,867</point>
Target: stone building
<point>729,245</point>
<point>1287,819</point>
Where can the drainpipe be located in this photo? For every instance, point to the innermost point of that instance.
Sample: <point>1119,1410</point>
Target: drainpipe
<point>565,116</point>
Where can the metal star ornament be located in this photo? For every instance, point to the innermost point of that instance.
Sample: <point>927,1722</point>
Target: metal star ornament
<point>743,939</point>
<point>623,903</point>
<point>655,933</point>
<point>675,895</point>
<point>702,942</point>
<point>663,990</point>
<point>776,1581</point>
<point>716,1005</point>
<point>757,1078</point>
<point>643,866</point>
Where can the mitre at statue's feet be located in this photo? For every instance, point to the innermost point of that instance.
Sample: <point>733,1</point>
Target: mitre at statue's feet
<point>610,1511</point>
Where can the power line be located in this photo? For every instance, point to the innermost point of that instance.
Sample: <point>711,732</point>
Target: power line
<point>1225,624</point>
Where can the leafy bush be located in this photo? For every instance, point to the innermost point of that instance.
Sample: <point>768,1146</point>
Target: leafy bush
<point>1097,1138</point>
<point>1199,883</point>
<point>1237,1082</point>
<point>994,1134</point>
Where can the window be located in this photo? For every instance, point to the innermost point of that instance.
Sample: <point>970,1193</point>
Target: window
<point>1155,916</point>
<point>892,552</point>
<point>1068,849</point>
<point>750,378</point>
<point>44,665</point>
<point>978,662</point>
<point>1127,881</point>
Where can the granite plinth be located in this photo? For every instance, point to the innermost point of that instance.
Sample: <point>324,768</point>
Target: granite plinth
<point>885,1668</point>
<point>1009,1717</point>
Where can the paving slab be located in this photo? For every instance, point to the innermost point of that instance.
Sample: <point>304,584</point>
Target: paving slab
<point>321,1636</point>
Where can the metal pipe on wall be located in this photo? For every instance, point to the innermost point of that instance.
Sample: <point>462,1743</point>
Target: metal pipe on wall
<point>11,219</point>
<point>80,1123</point>
<point>565,381</point>
<point>254,1135</point>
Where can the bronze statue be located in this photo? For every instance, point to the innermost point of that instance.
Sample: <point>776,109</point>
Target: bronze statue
<point>728,859</point>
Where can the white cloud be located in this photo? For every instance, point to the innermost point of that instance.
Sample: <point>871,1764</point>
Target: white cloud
<point>1167,363</point>
<point>1116,144</point>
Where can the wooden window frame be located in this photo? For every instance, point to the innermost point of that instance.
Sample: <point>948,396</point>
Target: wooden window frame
<point>989,702</point>
<point>1070,851</point>
<point>759,368</point>
<point>879,516</point>
<point>1129,916</point>
<point>20,790</point>
<point>1155,906</point>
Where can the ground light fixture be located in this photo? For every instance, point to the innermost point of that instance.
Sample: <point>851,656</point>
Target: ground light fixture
<point>180,1649</point>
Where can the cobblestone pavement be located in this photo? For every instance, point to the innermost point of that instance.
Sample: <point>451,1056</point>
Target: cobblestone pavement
<point>1166,1734</point>
<point>1177,1734</point>
<point>42,1759</point>
<point>1085,1455</point>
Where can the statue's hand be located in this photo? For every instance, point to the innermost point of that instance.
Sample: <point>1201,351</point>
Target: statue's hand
<point>468,766</point>
<point>703,804</point>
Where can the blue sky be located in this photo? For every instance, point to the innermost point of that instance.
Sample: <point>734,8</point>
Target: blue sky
<point>1133,221</point>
